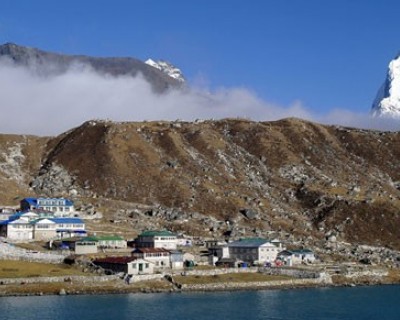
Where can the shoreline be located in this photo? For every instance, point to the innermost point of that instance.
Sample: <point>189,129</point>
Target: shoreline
<point>163,286</point>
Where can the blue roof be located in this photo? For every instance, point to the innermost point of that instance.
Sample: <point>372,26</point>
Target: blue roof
<point>69,202</point>
<point>31,201</point>
<point>66,220</point>
<point>72,231</point>
<point>15,216</point>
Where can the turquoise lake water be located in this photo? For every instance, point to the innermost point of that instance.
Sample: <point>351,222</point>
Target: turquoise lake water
<point>376,302</point>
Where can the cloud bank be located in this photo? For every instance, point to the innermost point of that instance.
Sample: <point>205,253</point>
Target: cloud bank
<point>49,105</point>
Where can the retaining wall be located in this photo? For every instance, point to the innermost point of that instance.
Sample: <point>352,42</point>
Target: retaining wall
<point>252,285</point>
<point>79,279</point>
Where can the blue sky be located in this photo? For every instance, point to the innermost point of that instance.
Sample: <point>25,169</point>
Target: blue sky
<point>326,54</point>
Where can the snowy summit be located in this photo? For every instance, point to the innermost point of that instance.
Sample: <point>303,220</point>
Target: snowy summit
<point>387,101</point>
<point>167,68</point>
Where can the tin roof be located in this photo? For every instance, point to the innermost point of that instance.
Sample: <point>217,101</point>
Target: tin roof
<point>248,242</point>
<point>150,250</point>
<point>115,260</point>
<point>67,220</point>
<point>33,201</point>
<point>103,238</point>
<point>155,233</point>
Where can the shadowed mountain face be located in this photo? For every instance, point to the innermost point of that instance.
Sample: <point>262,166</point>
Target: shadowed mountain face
<point>307,183</point>
<point>47,63</point>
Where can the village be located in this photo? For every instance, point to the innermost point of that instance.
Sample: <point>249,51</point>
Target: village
<point>54,220</point>
<point>153,254</point>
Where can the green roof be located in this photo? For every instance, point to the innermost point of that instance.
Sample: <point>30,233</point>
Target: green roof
<point>248,242</point>
<point>103,238</point>
<point>91,239</point>
<point>154,233</point>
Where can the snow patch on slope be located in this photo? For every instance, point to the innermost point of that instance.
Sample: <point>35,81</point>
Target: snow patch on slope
<point>167,68</point>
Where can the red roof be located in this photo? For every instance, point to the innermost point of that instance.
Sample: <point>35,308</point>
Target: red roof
<point>150,250</point>
<point>115,260</point>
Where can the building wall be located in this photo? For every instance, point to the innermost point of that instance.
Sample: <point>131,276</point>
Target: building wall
<point>19,232</point>
<point>160,260</point>
<point>248,254</point>
<point>85,247</point>
<point>146,267</point>
<point>44,234</point>
<point>71,226</point>
<point>60,207</point>
<point>268,253</point>
<point>169,243</point>
<point>166,242</point>
<point>112,244</point>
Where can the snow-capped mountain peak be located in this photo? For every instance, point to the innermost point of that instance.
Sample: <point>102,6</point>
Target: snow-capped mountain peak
<point>167,68</point>
<point>387,101</point>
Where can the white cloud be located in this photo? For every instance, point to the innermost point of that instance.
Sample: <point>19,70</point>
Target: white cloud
<point>32,104</point>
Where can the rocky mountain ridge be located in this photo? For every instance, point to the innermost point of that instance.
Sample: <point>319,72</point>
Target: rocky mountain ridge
<point>45,63</point>
<point>325,187</point>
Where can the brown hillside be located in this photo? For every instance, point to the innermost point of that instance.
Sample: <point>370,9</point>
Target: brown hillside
<point>303,180</point>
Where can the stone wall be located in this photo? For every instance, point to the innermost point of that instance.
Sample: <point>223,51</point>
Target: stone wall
<point>367,273</point>
<point>146,277</point>
<point>291,272</point>
<point>78,279</point>
<point>211,272</point>
<point>255,285</point>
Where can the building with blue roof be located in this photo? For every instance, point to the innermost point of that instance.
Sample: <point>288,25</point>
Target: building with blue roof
<point>61,207</point>
<point>26,227</point>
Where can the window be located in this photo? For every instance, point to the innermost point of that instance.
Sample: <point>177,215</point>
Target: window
<point>147,265</point>
<point>134,265</point>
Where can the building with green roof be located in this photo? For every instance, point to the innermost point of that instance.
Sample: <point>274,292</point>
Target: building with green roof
<point>157,239</point>
<point>107,241</point>
<point>255,250</point>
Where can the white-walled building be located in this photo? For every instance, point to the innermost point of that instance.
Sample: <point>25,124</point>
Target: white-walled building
<point>61,207</point>
<point>255,250</point>
<point>19,229</point>
<point>157,239</point>
<point>293,257</point>
<point>69,227</point>
<point>140,266</point>
<point>27,226</point>
<point>159,256</point>
<point>44,229</point>
<point>128,265</point>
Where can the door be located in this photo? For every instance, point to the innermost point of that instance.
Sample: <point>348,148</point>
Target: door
<point>140,267</point>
